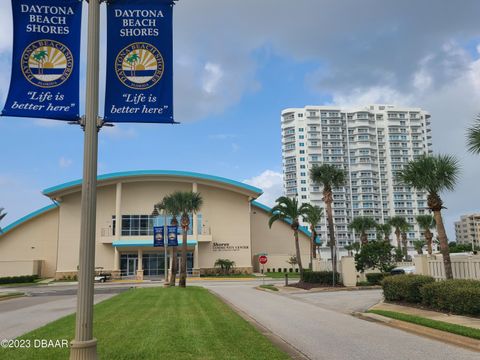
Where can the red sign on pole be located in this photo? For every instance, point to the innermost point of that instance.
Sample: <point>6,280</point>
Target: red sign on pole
<point>262,259</point>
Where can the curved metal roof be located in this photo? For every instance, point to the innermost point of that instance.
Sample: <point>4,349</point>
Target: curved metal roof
<point>167,173</point>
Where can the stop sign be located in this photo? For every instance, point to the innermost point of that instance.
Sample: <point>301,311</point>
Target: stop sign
<point>262,259</point>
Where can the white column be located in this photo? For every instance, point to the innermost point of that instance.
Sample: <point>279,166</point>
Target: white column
<point>118,224</point>
<point>195,233</point>
<point>140,260</point>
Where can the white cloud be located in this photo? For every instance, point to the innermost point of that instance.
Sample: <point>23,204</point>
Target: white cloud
<point>65,162</point>
<point>6,35</point>
<point>119,132</point>
<point>213,74</point>
<point>271,182</point>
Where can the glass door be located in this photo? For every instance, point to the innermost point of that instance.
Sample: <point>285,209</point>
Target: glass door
<point>132,267</point>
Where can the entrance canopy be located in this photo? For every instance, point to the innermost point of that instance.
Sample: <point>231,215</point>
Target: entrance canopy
<point>148,243</point>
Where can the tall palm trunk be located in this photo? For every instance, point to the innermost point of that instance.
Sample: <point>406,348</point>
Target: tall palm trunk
<point>442,237</point>
<point>364,238</point>
<point>333,254</point>
<point>173,275</point>
<point>397,234</point>
<point>183,265</point>
<point>428,237</point>
<point>297,250</point>
<point>404,244</point>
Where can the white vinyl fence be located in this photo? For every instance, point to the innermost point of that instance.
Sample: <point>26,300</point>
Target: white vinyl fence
<point>463,266</point>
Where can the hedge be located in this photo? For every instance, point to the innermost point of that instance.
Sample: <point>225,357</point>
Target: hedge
<point>320,277</point>
<point>375,278</point>
<point>456,296</point>
<point>18,279</point>
<point>405,287</point>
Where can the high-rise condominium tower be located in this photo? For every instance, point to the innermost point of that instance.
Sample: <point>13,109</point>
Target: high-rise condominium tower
<point>371,144</point>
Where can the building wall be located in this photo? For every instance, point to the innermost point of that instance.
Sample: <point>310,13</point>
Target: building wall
<point>467,230</point>
<point>372,144</point>
<point>227,214</point>
<point>35,239</point>
<point>277,242</point>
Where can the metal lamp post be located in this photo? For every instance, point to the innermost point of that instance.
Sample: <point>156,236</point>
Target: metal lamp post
<point>84,346</point>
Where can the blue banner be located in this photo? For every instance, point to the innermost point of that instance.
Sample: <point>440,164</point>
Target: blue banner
<point>139,61</point>
<point>45,67</point>
<point>172,235</point>
<point>158,236</point>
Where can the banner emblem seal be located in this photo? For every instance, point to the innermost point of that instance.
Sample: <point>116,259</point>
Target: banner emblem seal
<point>139,66</point>
<point>47,63</point>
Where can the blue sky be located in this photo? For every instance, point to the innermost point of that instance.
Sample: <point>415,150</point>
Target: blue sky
<point>239,63</point>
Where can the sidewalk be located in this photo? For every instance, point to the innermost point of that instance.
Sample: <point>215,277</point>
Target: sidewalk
<point>433,315</point>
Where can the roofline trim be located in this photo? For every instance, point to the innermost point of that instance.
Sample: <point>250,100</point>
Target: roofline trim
<point>174,173</point>
<point>27,217</point>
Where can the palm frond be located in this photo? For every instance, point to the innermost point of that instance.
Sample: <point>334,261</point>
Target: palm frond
<point>473,137</point>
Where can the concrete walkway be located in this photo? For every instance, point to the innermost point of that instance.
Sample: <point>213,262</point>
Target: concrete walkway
<point>454,319</point>
<point>320,333</point>
<point>21,315</point>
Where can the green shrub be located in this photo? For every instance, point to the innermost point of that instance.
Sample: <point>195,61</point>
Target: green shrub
<point>375,278</point>
<point>456,296</point>
<point>18,279</point>
<point>405,287</point>
<point>320,277</point>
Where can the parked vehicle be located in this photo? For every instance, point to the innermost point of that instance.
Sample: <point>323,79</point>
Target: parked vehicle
<point>102,276</point>
<point>400,270</point>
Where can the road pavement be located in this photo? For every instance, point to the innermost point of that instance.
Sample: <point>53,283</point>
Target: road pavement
<point>322,333</point>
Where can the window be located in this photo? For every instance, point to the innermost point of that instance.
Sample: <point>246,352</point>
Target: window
<point>142,225</point>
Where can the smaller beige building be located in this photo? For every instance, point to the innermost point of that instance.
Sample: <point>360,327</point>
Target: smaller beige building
<point>230,225</point>
<point>467,230</point>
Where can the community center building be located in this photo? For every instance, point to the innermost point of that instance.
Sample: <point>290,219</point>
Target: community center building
<point>230,225</point>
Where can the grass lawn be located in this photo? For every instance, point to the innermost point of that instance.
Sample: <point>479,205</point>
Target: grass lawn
<point>160,323</point>
<point>434,324</point>
<point>281,275</point>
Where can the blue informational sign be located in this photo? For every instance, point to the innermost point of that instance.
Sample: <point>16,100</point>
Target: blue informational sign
<point>139,61</point>
<point>158,236</point>
<point>46,62</point>
<point>172,235</point>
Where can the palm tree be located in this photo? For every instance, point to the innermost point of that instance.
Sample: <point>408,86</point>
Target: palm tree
<point>39,57</point>
<point>434,174</point>
<point>427,222</point>
<point>385,230</point>
<point>289,209</point>
<point>330,177</point>
<point>361,224</point>
<point>401,225</point>
<point>473,137</point>
<point>132,60</point>
<point>313,216</point>
<point>2,215</point>
<point>187,202</point>
<point>418,245</point>
<point>171,207</point>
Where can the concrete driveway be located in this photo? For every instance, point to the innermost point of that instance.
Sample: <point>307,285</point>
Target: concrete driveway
<point>308,324</point>
<point>345,302</point>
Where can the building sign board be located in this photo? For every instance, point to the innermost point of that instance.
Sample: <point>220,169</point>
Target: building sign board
<point>45,67</point>
<point>139,61</point>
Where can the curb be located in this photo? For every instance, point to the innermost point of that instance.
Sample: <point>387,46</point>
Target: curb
<point>276,340</point>
<point>443,336</point>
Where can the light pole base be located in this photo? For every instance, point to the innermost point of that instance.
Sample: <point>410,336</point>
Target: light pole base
<point>83,350</point>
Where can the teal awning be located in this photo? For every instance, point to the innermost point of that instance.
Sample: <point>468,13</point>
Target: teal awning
<point>148,243</point>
